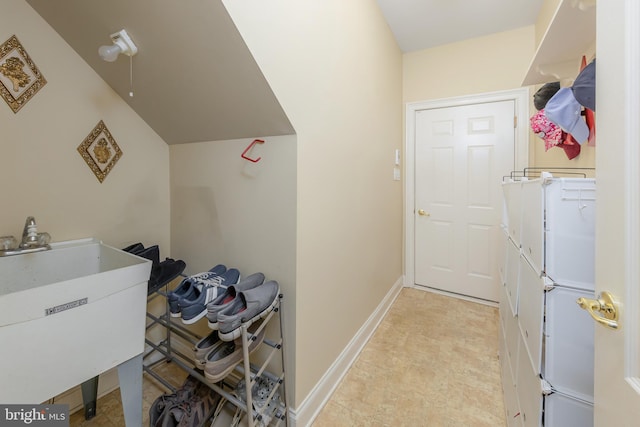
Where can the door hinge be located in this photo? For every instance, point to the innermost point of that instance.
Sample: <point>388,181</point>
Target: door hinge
<point>515,122</point>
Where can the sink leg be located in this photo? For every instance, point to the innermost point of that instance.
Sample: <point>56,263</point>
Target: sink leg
<point>130,377</point>
<point>90,397</point>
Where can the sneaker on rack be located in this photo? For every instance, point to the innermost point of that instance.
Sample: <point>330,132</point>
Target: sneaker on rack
<point>195,308</point>
<point>187,287</point>
<point>221,360</point>
<point>246,308</point>
<point>225,298</point>
<point>203,347</point>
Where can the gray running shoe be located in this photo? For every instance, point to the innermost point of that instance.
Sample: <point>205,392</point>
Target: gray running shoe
<point>225,298</point>
<point>246,308</point>
<point>221,360</point>
<point>203,347</point>
<point>200,407</point>
<point>161,406</point>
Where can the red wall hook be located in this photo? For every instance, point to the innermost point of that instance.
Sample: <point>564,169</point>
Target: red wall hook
<point>254,142</point>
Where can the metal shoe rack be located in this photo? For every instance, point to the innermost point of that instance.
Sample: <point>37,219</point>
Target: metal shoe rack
<point>255,415</point>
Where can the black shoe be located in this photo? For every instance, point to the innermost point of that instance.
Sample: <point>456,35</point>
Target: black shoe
<point>164,272</point>
<point>136,247</point>
<point>151,253</point>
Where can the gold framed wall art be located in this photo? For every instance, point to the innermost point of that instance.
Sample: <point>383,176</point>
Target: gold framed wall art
<point>20,79</point>
<point>100,151</point>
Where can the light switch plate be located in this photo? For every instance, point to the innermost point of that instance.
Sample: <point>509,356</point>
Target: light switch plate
<point>396,174</point>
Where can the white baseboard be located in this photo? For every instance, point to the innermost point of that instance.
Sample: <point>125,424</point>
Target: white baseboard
<point>310,407</point>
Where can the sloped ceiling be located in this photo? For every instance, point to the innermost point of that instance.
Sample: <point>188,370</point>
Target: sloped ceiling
<point>194,78</point>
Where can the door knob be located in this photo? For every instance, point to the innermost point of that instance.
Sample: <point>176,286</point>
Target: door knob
<point>604,310</point>
<point>421,212</point>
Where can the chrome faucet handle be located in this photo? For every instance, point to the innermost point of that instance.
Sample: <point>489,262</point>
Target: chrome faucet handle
<point>44,239</point>
<point>30,233</point>
<point>7,243</point>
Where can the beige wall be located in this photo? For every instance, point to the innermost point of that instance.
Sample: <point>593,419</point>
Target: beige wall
<point>484,64</point>
<point>336,70</point>
<point>227,210</point>
<point>42,173</point>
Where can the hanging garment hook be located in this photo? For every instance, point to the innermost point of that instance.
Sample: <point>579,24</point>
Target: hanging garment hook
<point>254,142</point>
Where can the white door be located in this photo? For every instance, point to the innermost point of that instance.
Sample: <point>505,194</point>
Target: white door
<point>461,154</point>
<point>617,352</point>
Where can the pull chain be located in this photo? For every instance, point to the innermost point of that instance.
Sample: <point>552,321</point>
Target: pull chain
<point>131,76</point>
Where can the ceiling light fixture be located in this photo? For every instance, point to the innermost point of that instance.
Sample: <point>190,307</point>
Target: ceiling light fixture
<point>122,43</point>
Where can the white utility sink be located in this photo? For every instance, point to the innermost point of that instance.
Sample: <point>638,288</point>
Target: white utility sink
<point>66,315</point>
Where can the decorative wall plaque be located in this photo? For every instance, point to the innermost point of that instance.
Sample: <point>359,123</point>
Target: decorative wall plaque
<point>100,151</point>
<point>19,76</point>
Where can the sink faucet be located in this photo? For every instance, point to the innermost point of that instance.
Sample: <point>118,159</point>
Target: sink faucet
<point>30,233</point>
<point>32,241</point>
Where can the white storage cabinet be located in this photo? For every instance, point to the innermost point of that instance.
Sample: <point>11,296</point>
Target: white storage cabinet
<point>547,353</point>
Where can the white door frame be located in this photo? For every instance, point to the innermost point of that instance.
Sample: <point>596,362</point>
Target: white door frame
<point>522,101</point>
<point>632,205</point>
<point>617,353</point>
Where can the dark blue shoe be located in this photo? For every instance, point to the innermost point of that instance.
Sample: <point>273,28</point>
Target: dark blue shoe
<point>187,287</point>
<point>194,309</point>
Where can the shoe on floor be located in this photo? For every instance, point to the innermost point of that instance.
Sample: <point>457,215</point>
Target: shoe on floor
<point>194,412</point>
<point>195,308</point>
<point>225,298</point>
<point>221,360</point>
<point>163,403</point>
<point>186,288</point>
<point>204,346</point>
<point>246,308</point>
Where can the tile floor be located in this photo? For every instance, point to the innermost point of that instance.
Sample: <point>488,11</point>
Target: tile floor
<point>109,410</point>
<point>431,362</point>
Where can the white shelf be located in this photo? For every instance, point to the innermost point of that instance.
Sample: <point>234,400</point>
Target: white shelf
<point>570,35</point>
